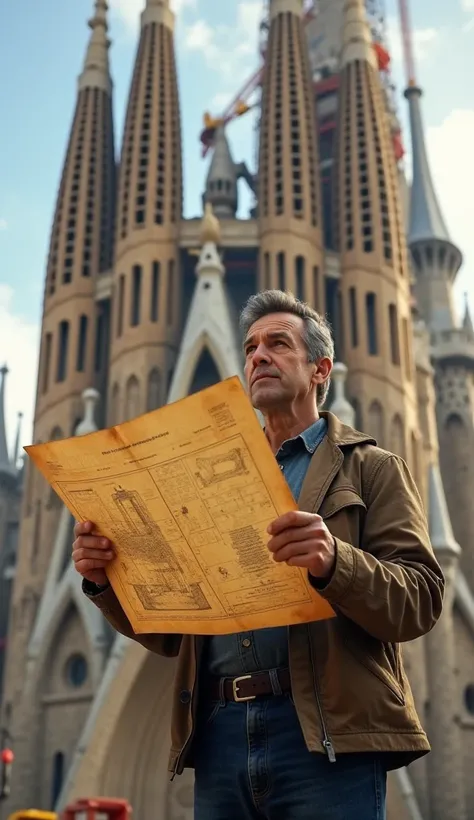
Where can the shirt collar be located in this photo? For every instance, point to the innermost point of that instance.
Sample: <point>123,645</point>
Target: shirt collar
<point>310,437</point>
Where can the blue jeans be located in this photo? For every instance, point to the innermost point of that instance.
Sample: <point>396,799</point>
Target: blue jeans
<point>251,763</point>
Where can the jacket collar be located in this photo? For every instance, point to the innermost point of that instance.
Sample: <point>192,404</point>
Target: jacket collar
<point>341,434</point>
<point>327,460</point>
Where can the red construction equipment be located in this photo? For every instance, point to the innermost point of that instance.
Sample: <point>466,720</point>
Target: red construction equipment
<point>242,102</point>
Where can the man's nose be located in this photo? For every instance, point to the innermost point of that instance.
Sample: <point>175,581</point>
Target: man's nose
<point>261,355</point>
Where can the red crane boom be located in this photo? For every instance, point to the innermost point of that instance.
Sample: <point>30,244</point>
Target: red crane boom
<point>407,43</point>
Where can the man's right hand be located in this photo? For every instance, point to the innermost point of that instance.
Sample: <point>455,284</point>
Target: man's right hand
<point>91,553</point>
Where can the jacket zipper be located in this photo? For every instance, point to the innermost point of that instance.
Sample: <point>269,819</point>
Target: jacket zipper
<point>326,742</point>
<point>189,738</point>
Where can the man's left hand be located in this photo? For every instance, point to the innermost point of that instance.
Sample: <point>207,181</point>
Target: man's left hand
<point>303,540</point>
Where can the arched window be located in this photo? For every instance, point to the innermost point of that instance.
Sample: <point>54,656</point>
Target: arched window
<point>299,277</point>
<point>266,272</point>
<point>397,436</point>
<point>136,295</point>
<point>376,422</point>
<point>354,326</point>
<point>132,398</point>
<point>114,409</point>
<point>57,778</point>
<point>281,271</point>
<point>81,344</point>
<point>155,292</point>
<point>153,398</point>
<point>120,304</point>
<point>394,336</point>
<point>63,350</point>
<point>371,317</point>
<point>46,364</point>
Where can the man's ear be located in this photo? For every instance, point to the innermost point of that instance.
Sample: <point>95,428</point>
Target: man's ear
<point>321,371</point>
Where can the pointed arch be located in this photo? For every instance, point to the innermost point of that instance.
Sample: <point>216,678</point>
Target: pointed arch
<point>118,729</point>
<point>205,373</point>
<point>49,623</point>
<point>188,361</point>
<point>376,422</point>
<point>397,436</point>
<point>132,398</point>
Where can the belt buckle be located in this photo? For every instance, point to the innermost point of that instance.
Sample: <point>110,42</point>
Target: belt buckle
<point>235,689</point>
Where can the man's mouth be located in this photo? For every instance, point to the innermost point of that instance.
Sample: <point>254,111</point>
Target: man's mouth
<point>261,376</point>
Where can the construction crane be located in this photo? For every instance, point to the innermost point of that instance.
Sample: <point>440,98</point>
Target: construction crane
<point>407,43</point>
<point>241,104</point>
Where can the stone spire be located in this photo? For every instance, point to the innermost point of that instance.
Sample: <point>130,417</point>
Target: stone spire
<point>441,532</point>
<point>147,271</point>
<point>289,199</point>
<point>374,271</point>
<point>436,258</point>
<point>341,406</point>
<point>467,321</point>
<point>5,465</point>
<point>221,183</point>
<point>210,332</point>
<point>96,72</point>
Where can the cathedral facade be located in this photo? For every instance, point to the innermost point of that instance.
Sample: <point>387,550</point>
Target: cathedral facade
<point>140,309</point>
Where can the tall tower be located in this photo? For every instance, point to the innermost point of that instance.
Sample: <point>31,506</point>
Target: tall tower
<point>221,182</point>
<point>146,313</point>
<point>290,231</point>
<point>436,262</point>
<point>436,258</point>
<point>374,271</point>
<point>80,251</point>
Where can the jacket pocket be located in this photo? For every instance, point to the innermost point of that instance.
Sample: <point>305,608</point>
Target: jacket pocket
<point>340,499</point>
<point>378,671</point>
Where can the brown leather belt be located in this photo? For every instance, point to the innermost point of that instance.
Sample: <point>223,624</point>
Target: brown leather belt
<point>248,687</point>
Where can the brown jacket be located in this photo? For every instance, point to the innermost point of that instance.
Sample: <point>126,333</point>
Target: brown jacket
<point>349,686</point>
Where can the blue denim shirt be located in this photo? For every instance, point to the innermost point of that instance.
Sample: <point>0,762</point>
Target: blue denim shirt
<point>246,652</point>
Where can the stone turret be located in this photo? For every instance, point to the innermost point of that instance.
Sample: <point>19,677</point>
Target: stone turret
<point>221,182</point>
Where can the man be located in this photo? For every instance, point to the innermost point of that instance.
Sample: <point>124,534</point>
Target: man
<point>303,723</point>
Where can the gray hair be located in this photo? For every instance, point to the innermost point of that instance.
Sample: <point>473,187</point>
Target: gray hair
<point>316,333</point>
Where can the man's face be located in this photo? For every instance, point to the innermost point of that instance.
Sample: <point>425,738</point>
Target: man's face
<point>276,362</point>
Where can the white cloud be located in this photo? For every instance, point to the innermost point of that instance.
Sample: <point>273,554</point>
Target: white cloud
<point>19,341</point>
<point>467,5</point>
<point>425,41</point>
<point>128,11</point>
<point>452,161</point>
<point>230,49</point>
<point>3,224</point>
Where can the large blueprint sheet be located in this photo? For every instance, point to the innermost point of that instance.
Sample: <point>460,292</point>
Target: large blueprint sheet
<point>186,493</point>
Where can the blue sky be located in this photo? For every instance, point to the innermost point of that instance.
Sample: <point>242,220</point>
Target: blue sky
<point>41,51</point>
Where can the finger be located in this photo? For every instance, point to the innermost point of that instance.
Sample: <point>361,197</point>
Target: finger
<point>83,528</point>
<point>85,566</point>
<point>290,535</point>
<point>95,555</point>
<point>92,542</point>
<point>296,548</point>
<point>294,518</point>
<point>305,562</point>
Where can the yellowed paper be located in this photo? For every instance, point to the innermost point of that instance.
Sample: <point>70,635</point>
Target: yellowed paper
<point>186,493</point>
